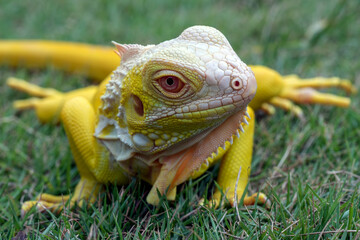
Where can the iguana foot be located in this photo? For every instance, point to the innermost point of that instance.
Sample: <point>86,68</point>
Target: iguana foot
<point>86,192</point>
<point>231,200</point>
<point>46,202</point>
<point>257,197</point>
<point>47,102</point>
<point>303,91</point>
<point>275,90</point>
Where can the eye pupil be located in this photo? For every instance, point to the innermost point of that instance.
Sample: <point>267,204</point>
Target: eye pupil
<point>170,84</point>
<point>169,81</point>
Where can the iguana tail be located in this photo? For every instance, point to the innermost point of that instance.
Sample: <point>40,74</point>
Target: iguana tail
<point>97,62</point>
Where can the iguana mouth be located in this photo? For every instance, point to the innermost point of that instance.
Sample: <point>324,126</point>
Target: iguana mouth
<point>213,113</point>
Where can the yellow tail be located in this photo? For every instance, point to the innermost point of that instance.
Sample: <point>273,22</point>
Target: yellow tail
<point>97,62</point>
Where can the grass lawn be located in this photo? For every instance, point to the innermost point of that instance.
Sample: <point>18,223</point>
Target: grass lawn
<point>310,170</point>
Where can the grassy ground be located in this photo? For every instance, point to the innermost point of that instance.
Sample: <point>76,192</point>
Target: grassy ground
<point>310,170</point>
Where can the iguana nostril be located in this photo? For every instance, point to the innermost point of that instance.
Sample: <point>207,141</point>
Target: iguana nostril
<point>138,105</point>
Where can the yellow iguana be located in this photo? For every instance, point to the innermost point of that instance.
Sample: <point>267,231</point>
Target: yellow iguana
<point>167,113</point>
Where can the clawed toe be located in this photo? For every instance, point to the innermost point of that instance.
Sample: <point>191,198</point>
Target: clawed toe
<point>216,200</point>
<point>257,197</point>
<point>46,202</point>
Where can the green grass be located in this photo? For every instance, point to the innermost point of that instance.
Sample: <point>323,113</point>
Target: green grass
<point>310,170</point>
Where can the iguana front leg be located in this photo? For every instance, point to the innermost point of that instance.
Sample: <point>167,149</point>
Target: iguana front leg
<point>82,145</point>
<point>235,169</point>
<point>78,117</point>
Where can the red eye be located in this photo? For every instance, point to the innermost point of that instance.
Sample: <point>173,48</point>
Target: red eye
<point>171,84</point>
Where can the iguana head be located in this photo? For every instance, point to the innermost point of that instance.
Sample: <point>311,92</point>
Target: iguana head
<point>165,98</point>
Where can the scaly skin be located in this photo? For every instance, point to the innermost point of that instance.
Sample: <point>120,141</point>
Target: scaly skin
<point>141,122</point>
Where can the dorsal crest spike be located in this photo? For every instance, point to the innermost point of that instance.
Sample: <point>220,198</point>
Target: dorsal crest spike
<point>121,48</point>
<point>129,49</point>
<point>117,53</point>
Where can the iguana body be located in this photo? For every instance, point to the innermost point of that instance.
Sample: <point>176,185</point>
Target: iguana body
<point>169,112</point>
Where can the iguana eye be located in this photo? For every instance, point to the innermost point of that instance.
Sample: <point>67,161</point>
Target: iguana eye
<point>171,84</point>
